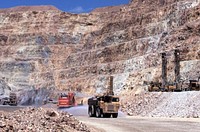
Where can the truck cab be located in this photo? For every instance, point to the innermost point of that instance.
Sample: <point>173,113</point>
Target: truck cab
<point>66,100</point>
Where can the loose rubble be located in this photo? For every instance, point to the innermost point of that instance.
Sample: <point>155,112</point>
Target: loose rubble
<point>39,119</point>
<point>158,104</point>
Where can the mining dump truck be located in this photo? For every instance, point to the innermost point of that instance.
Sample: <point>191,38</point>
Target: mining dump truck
<point>106,105</point>
<point>66,100</point>
<point>194,84</point>
<point>11,100</point>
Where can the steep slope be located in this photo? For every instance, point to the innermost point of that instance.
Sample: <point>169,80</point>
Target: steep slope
<point>57,50</point>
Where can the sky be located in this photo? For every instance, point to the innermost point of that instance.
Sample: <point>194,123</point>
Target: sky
<point>73,6</point>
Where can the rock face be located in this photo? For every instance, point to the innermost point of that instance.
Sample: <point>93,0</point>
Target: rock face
<point>28,8</point>
<point>51,49</point>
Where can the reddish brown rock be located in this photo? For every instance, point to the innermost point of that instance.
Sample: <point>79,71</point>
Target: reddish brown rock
<point>28,8</point>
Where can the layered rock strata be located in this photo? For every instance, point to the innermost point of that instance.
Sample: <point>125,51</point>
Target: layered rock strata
<point>57,50</point>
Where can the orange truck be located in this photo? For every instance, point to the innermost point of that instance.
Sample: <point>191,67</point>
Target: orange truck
<point>66,100</point>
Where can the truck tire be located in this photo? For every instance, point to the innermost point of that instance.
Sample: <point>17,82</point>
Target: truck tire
<point>115,115</point>
<point>5,103</point>
<point>91,111</point>
<point>98,112</point>
<point>107,115</point>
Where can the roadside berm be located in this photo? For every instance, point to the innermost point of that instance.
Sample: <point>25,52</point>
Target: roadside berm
<point>163,104</point>
<point>39,119</point>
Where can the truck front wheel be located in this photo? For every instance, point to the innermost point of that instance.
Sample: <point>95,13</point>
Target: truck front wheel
<point>115,115</point>
<point>107,115</point>
<point>91,111</point>
<point>98,112</point>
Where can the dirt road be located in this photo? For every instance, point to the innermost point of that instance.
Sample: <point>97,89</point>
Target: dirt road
<point>136,124</point>
<point>8,108</point>
<point>129,124</point>
<point>139,124</point>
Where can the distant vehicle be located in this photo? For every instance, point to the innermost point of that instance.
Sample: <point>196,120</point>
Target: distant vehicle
<point>66,100</point>
<point>104,105</point>
<point>49,101</point>
<point>11,100</point>
<point>194,84</point>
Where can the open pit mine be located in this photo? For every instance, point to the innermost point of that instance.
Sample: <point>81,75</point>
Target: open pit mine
<point>151,48</point>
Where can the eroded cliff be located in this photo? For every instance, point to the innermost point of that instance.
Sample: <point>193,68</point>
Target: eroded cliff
<point>51,49</point>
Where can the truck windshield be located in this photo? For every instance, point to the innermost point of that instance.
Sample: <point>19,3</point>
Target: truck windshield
<point>115,99</point>
<point>110,99</point>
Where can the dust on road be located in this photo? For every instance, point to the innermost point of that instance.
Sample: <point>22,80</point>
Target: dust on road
<point>82,111</point>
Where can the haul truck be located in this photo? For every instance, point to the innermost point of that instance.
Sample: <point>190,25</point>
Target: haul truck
<point>105,105</point>
<point>66,100</point>
<point>11,100</point>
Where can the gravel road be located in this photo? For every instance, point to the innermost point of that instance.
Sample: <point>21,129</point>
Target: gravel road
<point>139,124</point>
<point>135,124</point>
<point>129,124</point>
<point>8,108</point>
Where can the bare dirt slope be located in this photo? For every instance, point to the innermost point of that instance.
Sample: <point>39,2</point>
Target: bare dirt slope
<point>161,104</point>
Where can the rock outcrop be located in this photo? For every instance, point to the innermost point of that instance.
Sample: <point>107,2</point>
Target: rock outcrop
<point>28,8</point>
<point>48,48</point>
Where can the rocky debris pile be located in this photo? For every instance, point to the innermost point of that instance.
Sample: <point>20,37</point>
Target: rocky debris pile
<point>141,104</point>
<point>39,119</point>
<point>184,104</point>
<point>161,104</point>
